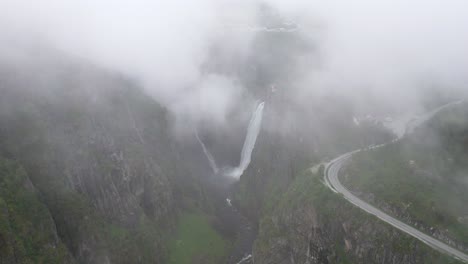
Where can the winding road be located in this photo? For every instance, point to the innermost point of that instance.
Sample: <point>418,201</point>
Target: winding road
<point>331,173</point>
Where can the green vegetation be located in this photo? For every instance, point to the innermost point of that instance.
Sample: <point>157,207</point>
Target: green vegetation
<point>140,244</point>
<point>49,228</point>
<point>306,196</point>
<point>27,231</point>
<point>423,176</point>
<point>196,242</point>
<point>56,144</point>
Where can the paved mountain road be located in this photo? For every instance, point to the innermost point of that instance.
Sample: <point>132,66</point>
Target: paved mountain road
<point>331,173</point>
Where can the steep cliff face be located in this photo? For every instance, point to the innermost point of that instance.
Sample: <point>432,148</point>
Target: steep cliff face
<point>99,156</point>
<point>310,224</point>
<point>27,230</point>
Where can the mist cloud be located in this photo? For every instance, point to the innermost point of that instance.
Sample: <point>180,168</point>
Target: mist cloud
<point>162,44</point>
<point>388,49</point>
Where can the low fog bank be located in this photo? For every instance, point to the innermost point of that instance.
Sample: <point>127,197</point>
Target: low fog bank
<point>207,61</point>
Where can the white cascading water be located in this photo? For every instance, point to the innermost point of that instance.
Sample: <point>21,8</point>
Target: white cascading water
<point>249,143</point>
<point>246,154</point>
<point>208,155</point>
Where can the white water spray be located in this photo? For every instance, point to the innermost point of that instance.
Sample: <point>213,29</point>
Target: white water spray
<point>246,154</point>
<point>249,143</point>
<point>208,155</point>
<point>244,259</point>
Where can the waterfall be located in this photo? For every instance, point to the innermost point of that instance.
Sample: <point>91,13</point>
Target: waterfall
<point>249,143</point>
<point>208,155</point>
<point>246,154</point>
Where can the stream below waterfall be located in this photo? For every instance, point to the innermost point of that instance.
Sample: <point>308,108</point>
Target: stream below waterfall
<point>245,233</point>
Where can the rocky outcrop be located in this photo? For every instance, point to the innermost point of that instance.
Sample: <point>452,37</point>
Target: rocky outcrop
<point>27,230</point>
<point>99,155</point>
<point>313,225</point>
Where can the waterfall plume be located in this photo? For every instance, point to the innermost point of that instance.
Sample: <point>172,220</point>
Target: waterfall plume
<point>246,154</point>
<point>252,133</point>
<point>208,155</point>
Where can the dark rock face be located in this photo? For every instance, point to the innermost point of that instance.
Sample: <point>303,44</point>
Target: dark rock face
<point>311,224</point>
<point>98,154</point>
<point>305,236</point>
<point>26,225</point>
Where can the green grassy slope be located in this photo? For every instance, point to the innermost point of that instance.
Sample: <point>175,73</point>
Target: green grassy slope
<point>27,231</point>
<point>308,205</point>
<point>423,177</point>
<point>196,242</point>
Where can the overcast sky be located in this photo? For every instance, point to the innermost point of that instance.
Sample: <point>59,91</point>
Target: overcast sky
<point>385,47</point>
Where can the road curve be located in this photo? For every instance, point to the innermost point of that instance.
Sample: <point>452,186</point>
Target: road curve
<point>331,173</point>
<point>331,178</point>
